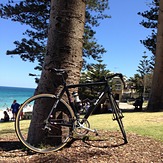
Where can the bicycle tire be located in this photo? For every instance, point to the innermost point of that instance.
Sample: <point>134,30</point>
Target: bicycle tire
<point>52,138</point>
<point>117,115</point>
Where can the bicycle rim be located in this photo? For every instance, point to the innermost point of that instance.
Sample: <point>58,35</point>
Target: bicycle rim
<point>30,124</point>
<point>117,115</point>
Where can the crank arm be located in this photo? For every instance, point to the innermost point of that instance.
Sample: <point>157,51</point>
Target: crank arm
<point>86,128</point>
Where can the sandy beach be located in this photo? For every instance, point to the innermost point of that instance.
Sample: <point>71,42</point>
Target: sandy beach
<point>29,109</point>
<point>2,115</point>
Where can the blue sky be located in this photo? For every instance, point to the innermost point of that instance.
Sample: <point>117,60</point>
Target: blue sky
<point>120,35</point>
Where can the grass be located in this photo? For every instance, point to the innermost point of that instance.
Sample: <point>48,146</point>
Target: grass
<point>7,130</point>
<point>6,126</point>
<point>142,123</point>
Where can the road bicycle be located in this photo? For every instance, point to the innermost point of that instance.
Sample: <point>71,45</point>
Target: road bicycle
<point>63,120</point>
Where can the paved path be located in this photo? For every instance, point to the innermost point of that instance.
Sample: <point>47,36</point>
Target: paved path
<point>123,105</point>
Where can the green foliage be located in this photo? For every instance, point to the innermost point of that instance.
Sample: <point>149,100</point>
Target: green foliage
<point>150,21</point>
<point>35,14</point>
<point>95,72</point>
<point>144,67</point>
<point>142,82</point>
<point>136,83</point>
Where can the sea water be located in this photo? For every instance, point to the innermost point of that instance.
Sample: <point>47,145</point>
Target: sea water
<point>9,94</point>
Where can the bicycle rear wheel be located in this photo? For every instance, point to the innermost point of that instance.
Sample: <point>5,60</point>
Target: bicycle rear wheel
<point>117,115</point>
<point>42,134</point>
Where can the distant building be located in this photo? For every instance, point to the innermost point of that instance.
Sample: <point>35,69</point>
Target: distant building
<point>117,88</point>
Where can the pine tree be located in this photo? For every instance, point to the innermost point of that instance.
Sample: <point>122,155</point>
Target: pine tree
<point>94,72</point>
<point>144,66</point>
<point>64,51</point>
<point>36,15</point>
<point>145,70</point>
<point>150,22</point>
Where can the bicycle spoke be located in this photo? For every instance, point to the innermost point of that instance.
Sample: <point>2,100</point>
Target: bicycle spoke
<point>42,135</point>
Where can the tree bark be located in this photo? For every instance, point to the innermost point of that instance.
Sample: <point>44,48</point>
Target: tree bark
<point>64,50</point>
<point>156,97</point>
<point>65,40</point>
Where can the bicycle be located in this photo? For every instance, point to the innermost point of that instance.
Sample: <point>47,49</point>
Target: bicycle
<point>63,120</point>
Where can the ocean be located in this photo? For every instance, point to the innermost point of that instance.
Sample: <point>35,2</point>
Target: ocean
<point>9,94</point>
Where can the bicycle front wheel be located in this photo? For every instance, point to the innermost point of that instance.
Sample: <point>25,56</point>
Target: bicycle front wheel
<point>41,128</point>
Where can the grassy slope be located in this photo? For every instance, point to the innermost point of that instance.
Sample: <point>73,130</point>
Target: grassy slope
<point>147,124</point>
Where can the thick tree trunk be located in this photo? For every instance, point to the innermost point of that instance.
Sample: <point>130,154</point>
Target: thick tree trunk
<point>65,40</point>
<point>156,97</point>
<point>64,50</point>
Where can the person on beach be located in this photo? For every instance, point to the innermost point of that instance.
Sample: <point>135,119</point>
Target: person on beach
<point>6,117</point>
<point>15,107</point>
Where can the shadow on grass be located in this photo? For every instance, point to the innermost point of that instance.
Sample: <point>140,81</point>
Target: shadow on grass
<point>6,131</point>
<point>10,145</point>
<point>133,110</point>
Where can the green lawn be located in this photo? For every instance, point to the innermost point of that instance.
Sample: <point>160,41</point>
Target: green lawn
<point>142,123</point>
<point>7,130</point>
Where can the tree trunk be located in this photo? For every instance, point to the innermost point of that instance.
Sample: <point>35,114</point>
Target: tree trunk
<point>156,97</point>
<point>64,50</point>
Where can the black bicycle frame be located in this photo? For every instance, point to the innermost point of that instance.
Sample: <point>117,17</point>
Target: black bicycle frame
<point>97,102</point>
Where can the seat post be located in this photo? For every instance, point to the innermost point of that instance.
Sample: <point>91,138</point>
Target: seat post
<point>63,79</point>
